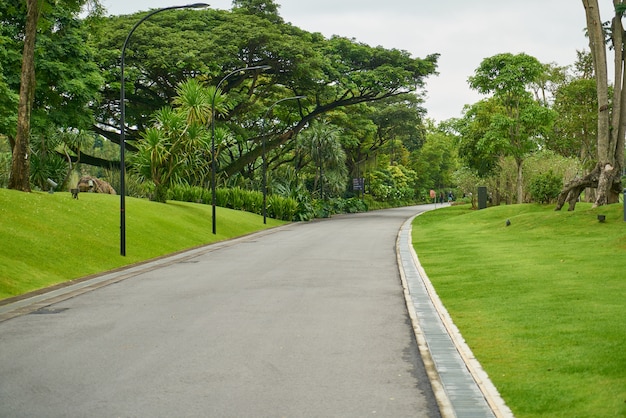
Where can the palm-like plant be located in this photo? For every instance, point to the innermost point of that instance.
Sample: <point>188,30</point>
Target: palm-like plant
<point>176,149</point>
<point>321,142</point>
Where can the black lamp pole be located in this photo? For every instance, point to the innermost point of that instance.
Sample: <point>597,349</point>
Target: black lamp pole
<point>264,186</point>
<point>213,156</point>
<point>123,121</point>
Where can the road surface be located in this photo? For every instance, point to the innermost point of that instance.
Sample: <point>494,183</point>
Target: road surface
<point>306,320</point>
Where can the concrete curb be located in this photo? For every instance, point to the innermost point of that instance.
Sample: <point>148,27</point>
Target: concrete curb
<point>456,397</point>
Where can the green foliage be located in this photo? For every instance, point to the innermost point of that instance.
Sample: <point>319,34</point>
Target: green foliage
<point>334,74</point>
<point>467,182</point>
<point>509,124</point>
<point>67,78</point>
<point>329,207</point>
<point>575,129</point>
<point>506,75</point>
<point>5,168</point>
<point>284,208</point>
<point>540,302</point>
<point>186,193</point>
<point>393,183</point>
<point>240,199</point>
<point>435,162</point>
<point>264,8</point>
<point>176,148</point>
<point>479,150</point>
<point>44,167</point>
<point>328,171</point>
<point>545,188</point>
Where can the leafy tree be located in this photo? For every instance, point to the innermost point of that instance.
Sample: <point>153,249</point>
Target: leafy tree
<point>57,80</point>
<point>436,161</point>
<point>611,124</point>
<point>393,183</point>
<point>334,74</point>
<point>520,122</point>
<point>478,147</point>
<point>575,128</point>
<point>392,126</point>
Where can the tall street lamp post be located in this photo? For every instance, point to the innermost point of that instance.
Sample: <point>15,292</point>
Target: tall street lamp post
<point>123,121</point>
<point>213,156</point>
<point>264,186</point>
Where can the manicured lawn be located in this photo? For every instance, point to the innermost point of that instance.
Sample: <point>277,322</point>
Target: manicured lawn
<point>541,303</point>
<point>46,239</point>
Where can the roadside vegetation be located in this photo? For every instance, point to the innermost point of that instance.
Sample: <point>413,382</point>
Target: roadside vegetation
<point>539,302</point>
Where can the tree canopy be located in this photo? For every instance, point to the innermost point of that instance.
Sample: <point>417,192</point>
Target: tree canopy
<point>170,47</point>
<point>511,122</point>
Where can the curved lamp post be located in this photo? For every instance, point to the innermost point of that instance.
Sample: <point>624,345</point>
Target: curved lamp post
<point>123,121</point>
<point>213,159</point>
<point>264,186</point>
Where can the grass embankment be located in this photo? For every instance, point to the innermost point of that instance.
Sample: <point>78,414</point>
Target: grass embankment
<point>46,239</point>
<point>541,303</point>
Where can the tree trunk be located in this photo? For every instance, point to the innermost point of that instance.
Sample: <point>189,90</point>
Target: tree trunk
<point>605,177</point>
<point>572,190</point>
<point>519,182</point>
<point>19,178</point>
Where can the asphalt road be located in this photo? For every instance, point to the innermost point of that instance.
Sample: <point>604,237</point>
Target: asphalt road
<point>306,320</point>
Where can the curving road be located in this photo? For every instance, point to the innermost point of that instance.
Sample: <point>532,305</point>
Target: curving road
<point>306,320</point>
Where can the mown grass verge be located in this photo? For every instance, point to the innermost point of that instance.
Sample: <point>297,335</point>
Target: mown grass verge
<point>541,302</point>
<point>46,239</point>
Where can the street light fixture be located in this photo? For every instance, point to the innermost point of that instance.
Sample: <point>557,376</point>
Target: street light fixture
<point>264,186</point>
<point>123,121</point>
<point>213,159</point>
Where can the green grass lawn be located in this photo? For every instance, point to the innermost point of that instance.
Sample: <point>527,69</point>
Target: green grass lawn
<point>541,303</point>
<point>46,239</point>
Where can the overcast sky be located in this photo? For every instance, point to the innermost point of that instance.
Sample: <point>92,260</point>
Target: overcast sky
<point>463,32</point>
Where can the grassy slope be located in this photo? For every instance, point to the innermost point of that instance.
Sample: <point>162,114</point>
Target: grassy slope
<point>46,238</point>
<point>540,302</point>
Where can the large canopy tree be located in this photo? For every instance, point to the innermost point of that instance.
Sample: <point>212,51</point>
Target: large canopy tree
<point>606,175</point>
<point>171,47</point>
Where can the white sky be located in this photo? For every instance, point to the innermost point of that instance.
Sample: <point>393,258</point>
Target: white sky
<point>463,32</point>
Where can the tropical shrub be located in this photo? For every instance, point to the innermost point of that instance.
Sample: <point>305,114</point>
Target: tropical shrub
<point>545,188</point>
<point>283,208</point>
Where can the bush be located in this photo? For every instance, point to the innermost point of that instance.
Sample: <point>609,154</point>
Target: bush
<point>283,208</point>
<point>545,188</point>
<point>193,194</point>
<point>278,207</point>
